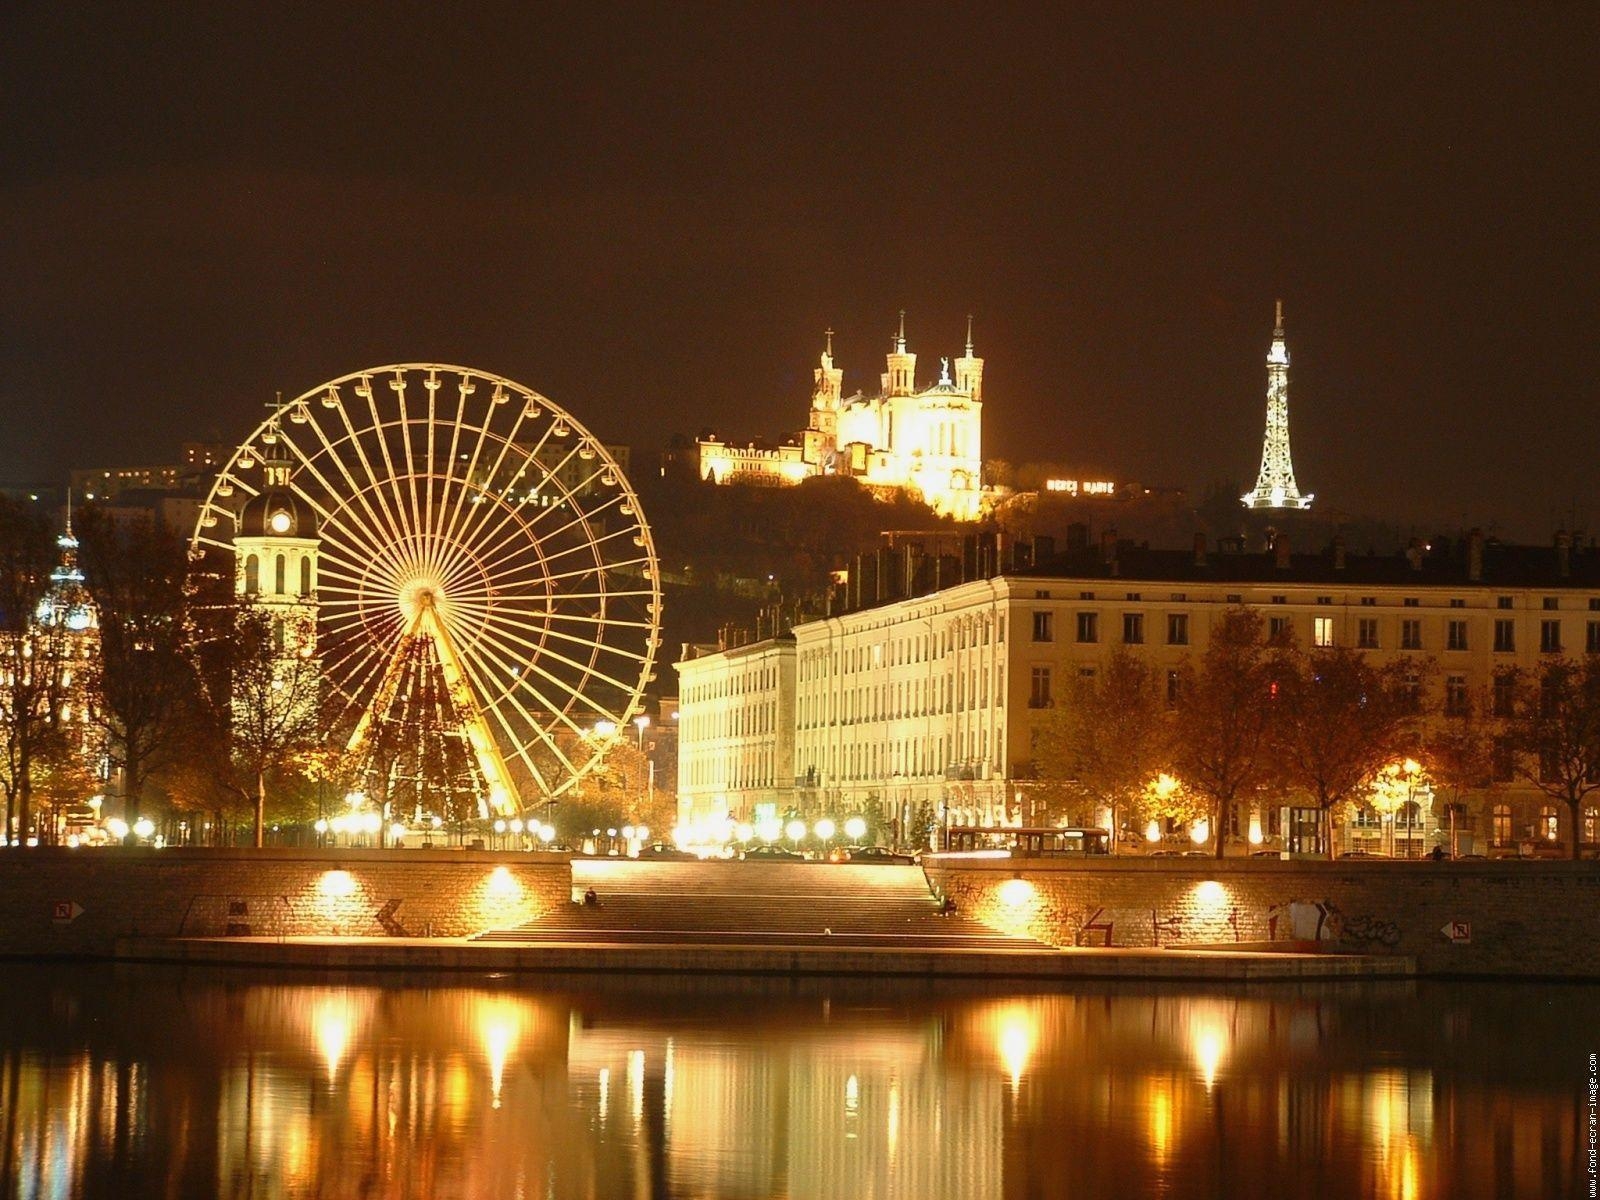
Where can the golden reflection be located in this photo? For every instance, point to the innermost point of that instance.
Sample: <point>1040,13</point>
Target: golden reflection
<point>333,1024</point>
<point>636,1086</point>
<point>499,1022</point>
<point>1016,1032</point>
<point>1398,1112</point>
<point>1208,1039</point>
<point>1159,1105</point>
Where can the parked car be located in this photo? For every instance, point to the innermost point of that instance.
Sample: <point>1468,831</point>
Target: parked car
<point>1362,854</point>
<point>878,854</point>
<point>666,852</point>
<point>771,852</point>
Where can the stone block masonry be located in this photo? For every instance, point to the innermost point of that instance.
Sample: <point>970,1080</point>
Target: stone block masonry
<point>79,902</point>
<point>1535,919</point>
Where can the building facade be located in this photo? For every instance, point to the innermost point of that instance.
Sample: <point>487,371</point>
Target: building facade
<point>927,440</point>
<point>736,731</point>
<point>934,700</point>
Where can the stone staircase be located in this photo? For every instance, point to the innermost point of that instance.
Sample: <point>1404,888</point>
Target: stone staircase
<point>762,903</point>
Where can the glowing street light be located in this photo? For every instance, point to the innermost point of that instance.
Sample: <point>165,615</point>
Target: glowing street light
<point>824,829</point>
<point>855,828</point>
<point>794,831</point>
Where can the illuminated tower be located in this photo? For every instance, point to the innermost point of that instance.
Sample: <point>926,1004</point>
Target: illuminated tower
<point>276,549</point>
<point>67,634</point>
<point>969,369</point>
<point>900,378</point>
<point>1275,486</point>
<point>827,391</point>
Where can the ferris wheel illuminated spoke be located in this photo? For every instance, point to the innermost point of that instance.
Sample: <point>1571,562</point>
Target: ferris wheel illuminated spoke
<point>507,636</point>
<point>360,469</point>
<point>462,539</point>
<point>516,710</point>
<point>587,522</point>
<point>573,639</point>
<point>369,541</point>
<point>458,532</point>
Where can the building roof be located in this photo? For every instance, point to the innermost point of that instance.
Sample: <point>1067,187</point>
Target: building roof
<point>1445,564</point>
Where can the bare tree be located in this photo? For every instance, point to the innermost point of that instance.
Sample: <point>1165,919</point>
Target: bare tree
<point>1108,740</point>
<point>35,656</point>
<point>1338,721</point>
<point>1458,754</point>
<point>144,687</point>
<point>274,684</point>
<point>1554,733</point>
<point>1222,718</point>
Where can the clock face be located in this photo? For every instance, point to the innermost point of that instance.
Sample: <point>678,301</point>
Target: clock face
<point>280,522</point>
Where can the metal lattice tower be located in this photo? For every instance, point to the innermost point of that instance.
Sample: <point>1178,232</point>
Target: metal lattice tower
<point>1275,486</point>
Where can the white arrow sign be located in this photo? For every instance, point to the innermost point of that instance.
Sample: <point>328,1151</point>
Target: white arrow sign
<point>64,912</point>
<point>1459,932</point>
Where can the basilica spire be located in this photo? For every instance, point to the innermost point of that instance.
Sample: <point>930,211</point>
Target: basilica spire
<point>1275,485</point>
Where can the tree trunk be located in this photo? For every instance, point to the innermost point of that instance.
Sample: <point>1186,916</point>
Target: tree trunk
<point>24,796</point>
<point>1216,826</point>
<point>261,808</point>
<point>1576,805</point>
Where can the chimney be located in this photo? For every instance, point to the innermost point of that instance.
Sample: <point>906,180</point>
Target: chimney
<point>1563,553</point>
<point>1475,555</point>
<point>1280,551</point>
<point>1414,554</point>
<point>1338,552</point>
<point>1199,549</point>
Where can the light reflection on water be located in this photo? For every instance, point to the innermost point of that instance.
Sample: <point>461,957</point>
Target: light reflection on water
<point>149,1082</point>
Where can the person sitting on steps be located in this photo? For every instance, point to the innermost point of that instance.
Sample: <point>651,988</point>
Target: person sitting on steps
<point>590,900</point>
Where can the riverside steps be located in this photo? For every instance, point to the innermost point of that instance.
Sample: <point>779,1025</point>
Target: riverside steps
<point>789,904</point>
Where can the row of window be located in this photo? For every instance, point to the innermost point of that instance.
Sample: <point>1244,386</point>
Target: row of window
<point>1323,632</point>
<point>910,757</point>
<point>958,634</point>
<point>1132,628</point>
<point>732,722</point>
<point>280,575</point>
<point>954,691</point>
<point>742,684</point>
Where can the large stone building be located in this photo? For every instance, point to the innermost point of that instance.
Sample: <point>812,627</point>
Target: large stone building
<point>927,440</point>
<point>736,731</point>
<point>933,699</point>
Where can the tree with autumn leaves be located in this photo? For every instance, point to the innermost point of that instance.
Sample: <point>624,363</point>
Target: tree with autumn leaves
<point>1251,717</point>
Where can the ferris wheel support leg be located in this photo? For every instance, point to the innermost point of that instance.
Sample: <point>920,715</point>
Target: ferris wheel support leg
<point>503,795</point>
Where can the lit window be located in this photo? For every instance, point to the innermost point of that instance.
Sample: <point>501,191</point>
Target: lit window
<point>1322,631</point>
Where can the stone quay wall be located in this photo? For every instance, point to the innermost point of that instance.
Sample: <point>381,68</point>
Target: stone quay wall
<point>79,902</point>
<point>1454,918</point>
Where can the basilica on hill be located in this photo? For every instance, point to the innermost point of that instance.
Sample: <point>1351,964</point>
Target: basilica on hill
<point>926,440</point>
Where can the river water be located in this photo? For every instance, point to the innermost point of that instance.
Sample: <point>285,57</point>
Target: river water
<point>157,1082</point>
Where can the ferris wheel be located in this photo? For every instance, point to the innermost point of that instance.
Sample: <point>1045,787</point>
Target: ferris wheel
<point>476,562</point>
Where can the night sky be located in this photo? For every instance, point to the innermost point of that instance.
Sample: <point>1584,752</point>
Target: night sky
<point>651,214</point>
